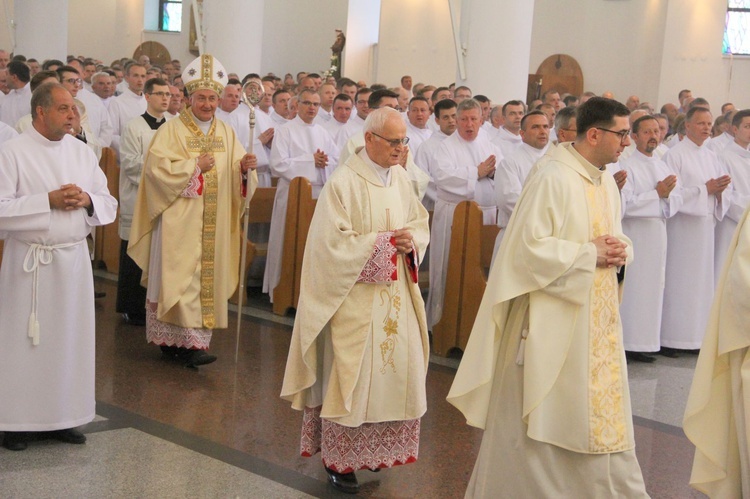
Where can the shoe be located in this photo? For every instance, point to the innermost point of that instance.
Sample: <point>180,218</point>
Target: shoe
<point>639,357</point>
<point>345,482</point>
<point>169,352</point>
<point>672,353</point>
<point>134,320</point>
<point>15,440</point>
<point>195,358</point>
<point>69,436</point>
<point>99,294</point>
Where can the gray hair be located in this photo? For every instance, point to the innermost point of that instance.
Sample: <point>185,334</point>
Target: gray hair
<point>468,104</point>
<point>562,119</point>
<point>377,119</point>
<point>42,97</point>
<point>98,75</point>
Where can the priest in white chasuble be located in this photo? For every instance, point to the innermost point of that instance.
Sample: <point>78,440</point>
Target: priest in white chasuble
<point>359,352</point>
<point>185,234</point>
<point>544,371</point>
<point>717,416</point>
<point>655,197</point>
<point>52,194</point>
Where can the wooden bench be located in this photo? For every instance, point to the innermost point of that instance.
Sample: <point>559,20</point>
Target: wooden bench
<point>299,212</point>
<point>107,239</point>
<point>259,212</point>
<point>471,248</point>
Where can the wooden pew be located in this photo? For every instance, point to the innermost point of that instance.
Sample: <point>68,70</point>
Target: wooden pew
<point>299,212</point>
<point>107,240</point>
<point>259,211</point>
<point>471,248</point>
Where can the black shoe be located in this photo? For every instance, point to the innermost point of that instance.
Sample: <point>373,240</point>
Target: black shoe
<point>169,352</point>
<point>99,294</point>
<point>672,353</point>
<point>639,357</point>
<point>195,358</point>
<point>345,482</point>
<point>134,320</point>
<point>69,436</point>
<point>15,440</point>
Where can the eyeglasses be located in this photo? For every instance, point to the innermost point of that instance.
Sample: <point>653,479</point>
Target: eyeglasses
<point>622,133</point>
<point>310,103</point>
<point>161,94</point>
<point>73,81</point>
<point>393,142</point>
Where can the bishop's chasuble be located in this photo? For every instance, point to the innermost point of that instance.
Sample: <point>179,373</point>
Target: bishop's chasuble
<point>186,230</point>
<point>359,353</point>
<point>544,371</point>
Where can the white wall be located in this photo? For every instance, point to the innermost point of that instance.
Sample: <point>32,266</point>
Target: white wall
<point>362,32</point>
<point>5,30</point>
<point>298,34</point>
<point>415,39</point>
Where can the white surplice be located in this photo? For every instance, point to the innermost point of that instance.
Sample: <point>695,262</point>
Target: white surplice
<point>417,136</point>
<point>17,103</point>
<point>425,159</point>
<point>456,180</point>
<point>717,144</point>
<point>689,285</point>
<point>292,156</point>
<point>239,120</point>
<point>122,109</point>
<point>506,141</point>
<point>736,162</point>
<point>7,132</point>
<point>46,268</point>
<point>645,223</point>
<point>98,118</point>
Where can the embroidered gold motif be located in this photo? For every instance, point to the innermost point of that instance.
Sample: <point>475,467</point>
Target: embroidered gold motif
<point>205,144</point>
<point>608,429</point>
<point>390,296</point>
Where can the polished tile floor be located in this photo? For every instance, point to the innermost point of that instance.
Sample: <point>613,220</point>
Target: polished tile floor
<point>166,431</point>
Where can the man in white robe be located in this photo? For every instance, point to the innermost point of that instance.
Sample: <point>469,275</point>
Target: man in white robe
<point>280,101</point>
<point>689,285</point>
<point>357,120</point>
<point>134,142</point>
<point>544,371</point>
<point>717,144</point>
<point>465,169</point>
<point>52,193</point>
<point>129,104</point>
<point>342,111</point>
<point>17,103</point>
<point>508,136</point>
<point>654,199</point>
<point>301,148</point>
<point>512,172</point>
<point>327,93</point>
<point>416,126</point>
<point>717,416</point>
<point>426,157</point>
<point>735,159</point>
<point>360,300</point>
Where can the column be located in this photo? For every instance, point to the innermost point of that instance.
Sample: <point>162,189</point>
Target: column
<point>234,33</point>
<point>495,37</point>
<point>41,28</point>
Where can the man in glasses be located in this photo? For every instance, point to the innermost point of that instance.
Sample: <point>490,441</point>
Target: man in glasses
<point>464,170</point>
<point>544,370</point>
<point>129,104</point>
<point>360,300</point>
<point>301,148</point>
<point>136,137</point>
<point>690,277</point>
<point>185,234</point>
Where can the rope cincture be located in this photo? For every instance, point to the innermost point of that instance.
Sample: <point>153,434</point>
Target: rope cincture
<point>39,254</point>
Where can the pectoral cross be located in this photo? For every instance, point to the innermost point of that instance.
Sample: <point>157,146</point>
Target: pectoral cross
<point>205,144</point>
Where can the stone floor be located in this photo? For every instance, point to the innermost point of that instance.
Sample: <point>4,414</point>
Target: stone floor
<point>222,431</point>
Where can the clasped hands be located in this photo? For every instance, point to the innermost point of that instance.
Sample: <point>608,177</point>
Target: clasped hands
<point>69,197</point>
<point>206,162</point>
<point>610,251</point>
<point>404,241</point>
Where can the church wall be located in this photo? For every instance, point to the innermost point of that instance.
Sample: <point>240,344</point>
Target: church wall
<point>416,39</point>
<point>5,37</point>
<point>298,34</point>
<point>618,44</point>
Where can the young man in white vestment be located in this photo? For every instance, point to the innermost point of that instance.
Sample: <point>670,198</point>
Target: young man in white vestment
<point>654,198</point>
<point>544,371</point>
<point>464,171</point>
<point>416,126</point>
<point>185,234</point>
<point>52,194</point>
<point>512,172</point>
<point>508,136</point>
<point>425,158</point>
<point>301,148</point>
<point>129,104</point>
<point>359,352</point>
<point>735,159</point>
<point>689,284</point>
<point>342,111</point>
<point>717,416</point>
<point>134,142</point>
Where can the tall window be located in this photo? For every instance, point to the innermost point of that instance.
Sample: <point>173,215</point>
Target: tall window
<point>737,28</point>
<point>170,15</point>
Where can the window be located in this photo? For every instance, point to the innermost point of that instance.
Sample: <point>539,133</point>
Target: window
<point>737,28</point>
<point>170,15</point>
